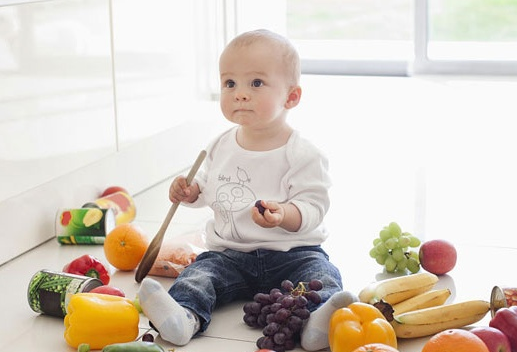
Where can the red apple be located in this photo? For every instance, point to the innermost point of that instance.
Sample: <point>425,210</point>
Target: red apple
<point>493,338</point>
<point>108,290</point>
<point>437,256</point>
<point>113,189</point>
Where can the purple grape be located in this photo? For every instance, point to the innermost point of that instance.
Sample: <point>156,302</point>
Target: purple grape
<point>303,313</point>
<point>279,338</point>
<point>255,307</point>
<point>271,329</point>
<point>267,343</point>
<point>266,309</point>
<point>262,298</point>
<point>282,315</point>
<point>262,320</point>
<point>275,294</point>
<point>260,207</point>
<point>287,301</point>
<point>315,285</point>
<point>294,323</point>
<point>148,337</point>
<point>275,307</point>
<point>287,285</point>
<point>314,297</point>
<point>270,318</point>
<point>251,320</point>
<point>301,301</point>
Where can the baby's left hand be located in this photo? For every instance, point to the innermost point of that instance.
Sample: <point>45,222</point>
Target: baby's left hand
<point>272,217</point>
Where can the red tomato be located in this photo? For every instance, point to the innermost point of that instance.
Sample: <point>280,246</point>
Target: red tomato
<point>108,290</point>
<point>113,189</point>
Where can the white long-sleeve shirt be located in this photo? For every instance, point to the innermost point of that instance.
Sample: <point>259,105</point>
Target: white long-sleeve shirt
<point>232,179</point>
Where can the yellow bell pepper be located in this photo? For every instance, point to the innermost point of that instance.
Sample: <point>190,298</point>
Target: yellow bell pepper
<point>100,320</point>
<point>357,325</point>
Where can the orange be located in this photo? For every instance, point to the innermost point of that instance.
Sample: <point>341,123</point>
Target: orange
<point>376,347</point>
<point>455,340</point>
<point>125,246</point>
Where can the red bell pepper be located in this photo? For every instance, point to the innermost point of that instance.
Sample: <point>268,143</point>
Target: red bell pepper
<point>505,319</point>
<point>88,265</point>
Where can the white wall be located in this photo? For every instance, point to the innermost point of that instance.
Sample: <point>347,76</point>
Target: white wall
<point>93,93</point>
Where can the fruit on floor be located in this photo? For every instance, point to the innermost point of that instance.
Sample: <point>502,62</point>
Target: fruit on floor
<point>455,340</point>
<point>438,256</point>
<point>427,299</point>
<point>113,189</point>
<point>376,347</point>
<point>397,289</point>
<point>125,246</point>
<point>493,338</point>
<point>392,249</point>
<point>505,319</point>
<point>281,313</point>
<point>108,290</point>
<point>430,321</point>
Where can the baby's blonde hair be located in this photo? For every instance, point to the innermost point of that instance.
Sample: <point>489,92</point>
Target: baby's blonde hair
<point>291,59</point>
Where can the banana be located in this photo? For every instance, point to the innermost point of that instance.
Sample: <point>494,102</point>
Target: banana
<point>429,321</point>
<point>397,289</point>
<point>427,299</point>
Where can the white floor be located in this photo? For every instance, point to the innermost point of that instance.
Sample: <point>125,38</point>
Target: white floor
<point>372,186</point>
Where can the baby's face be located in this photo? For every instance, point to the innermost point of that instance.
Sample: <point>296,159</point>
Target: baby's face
<point>254,85</point>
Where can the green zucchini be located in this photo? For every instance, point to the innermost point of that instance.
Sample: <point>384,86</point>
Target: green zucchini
<point>133,346</point>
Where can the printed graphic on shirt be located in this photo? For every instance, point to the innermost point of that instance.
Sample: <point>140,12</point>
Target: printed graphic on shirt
<point>232,197</point>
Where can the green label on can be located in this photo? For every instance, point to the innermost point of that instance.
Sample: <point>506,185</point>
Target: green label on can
<point>84,225</point>
<point>49,292</point>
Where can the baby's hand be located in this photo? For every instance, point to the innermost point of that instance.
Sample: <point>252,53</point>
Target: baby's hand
<point>267,214</point>
<point>179,191</point>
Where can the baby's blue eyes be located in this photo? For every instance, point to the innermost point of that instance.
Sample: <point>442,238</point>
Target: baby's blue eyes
<point>256,83</point>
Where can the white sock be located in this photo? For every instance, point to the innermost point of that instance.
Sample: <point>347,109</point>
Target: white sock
<point>314,335</point>
<point>175,323</point>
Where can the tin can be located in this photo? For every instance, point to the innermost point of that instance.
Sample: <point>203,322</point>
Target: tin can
<point>122,205</point>
<point>49,292</point>
<point>84,225</point>
<point>502,297</point>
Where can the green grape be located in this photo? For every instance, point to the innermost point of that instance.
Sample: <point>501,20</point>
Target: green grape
<point>397,254</point>
<point>385,235</point>
<point>391,249</point>
<point>402,264</point>
<point>381,248</point>
<point>414,255</point>
<point>414,241</point>
<point>391,243</point>
<point>381,259</point>
<point>390,264</point>
<point>394,229</point>
<point>404,241</point>
<point>413,265</point>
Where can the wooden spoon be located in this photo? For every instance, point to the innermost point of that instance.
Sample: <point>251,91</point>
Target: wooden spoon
<point>154,247</point>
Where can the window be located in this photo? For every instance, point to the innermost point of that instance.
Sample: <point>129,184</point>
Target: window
<point>358,36</point>
<point>401,37</point>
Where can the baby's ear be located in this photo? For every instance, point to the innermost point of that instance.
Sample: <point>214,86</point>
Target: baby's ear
<point>293,98</point>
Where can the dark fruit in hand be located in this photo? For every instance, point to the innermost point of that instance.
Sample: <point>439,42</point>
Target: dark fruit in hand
<point>148,337</point>
<point>261,209</point>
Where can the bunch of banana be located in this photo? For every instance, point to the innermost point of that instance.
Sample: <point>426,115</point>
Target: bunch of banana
<point>418,309</point>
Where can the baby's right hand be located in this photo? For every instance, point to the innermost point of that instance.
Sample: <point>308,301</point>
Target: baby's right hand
<point>179,191</point>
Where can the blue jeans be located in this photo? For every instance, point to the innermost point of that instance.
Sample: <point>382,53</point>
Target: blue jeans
<point>217,278</point>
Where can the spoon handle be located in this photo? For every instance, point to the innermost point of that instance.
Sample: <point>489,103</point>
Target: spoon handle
<point>154,247</point>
